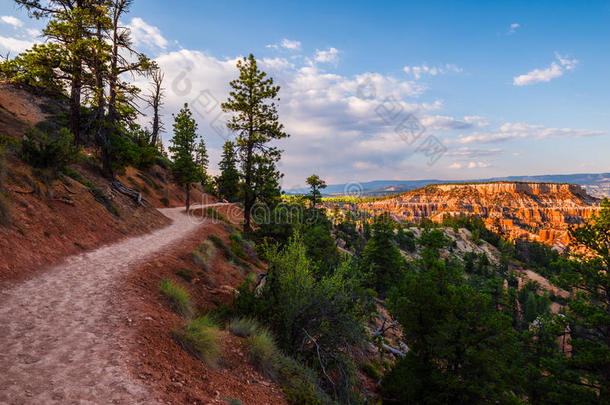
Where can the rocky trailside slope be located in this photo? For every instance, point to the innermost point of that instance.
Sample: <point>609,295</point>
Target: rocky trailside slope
<point>44,218</point>
<point>536,211</point>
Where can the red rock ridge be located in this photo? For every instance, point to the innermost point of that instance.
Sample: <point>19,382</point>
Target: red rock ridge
<point>537,211</point>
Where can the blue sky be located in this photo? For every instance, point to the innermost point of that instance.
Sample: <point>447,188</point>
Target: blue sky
<point>506,88</point>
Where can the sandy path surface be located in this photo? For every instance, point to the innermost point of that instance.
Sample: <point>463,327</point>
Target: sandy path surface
<point>63,335</point>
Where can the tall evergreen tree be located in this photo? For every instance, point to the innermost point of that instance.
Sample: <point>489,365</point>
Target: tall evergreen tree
<point>228,180</point>
<point>183,149</point>
<point>202,161</point>
<point>255,120</point>
<point>71,26</point>
<point>589,307</point>
<point>382,262</point>
<point>315,184</point>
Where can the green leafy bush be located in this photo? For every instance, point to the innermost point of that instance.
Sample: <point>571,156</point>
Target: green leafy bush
<point>177,297</point>
<point>43,151</point>
<point>201,338</point>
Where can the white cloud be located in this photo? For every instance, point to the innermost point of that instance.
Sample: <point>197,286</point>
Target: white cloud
<point>473,153</point>
<point>513,28</point>
<point>329,56</point>
<point>14,21</point>
<point>419,71</point>
<point>335,131</point>
<point>14,45</point>
<point>514,131</point>
<point>145,34</point>
<point>474,165</point>
<point>289,44</point>
<point>455,166</point>
<point>556,69</point>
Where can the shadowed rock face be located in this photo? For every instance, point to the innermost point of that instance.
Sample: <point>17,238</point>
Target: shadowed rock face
<point>537,211</point>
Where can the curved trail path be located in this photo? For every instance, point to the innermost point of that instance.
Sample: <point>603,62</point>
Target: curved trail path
<point>62,337</point>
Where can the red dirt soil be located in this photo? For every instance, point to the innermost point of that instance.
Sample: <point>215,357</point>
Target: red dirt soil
<point>159,361</point>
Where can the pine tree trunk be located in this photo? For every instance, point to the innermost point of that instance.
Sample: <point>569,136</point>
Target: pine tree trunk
<point>75,93</point>
<point>188,196</point>
<point>248,200</point>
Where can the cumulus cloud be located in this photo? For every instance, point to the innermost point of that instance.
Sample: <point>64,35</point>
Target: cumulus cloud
<point>146,34</point>
<point>475,165</point>
<point>419,71</point>
<point>329,56</point>
<point>513,28</point>
<point>286,44</point>
<point>14,45</point>
<point>14,21</point>
<point>289,44</point>
<point>557,69</point>
<point>515,131</point>
<point>334,120</point>
<point>473,153</point>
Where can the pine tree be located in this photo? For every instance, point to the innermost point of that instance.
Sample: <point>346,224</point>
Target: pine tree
<point>228,180</point>
<point>589,307</point>
<point>255,120</point>
<point>315,184</point>
<point>202,161</point>
<point>183,149</point>
<point>71,27</point>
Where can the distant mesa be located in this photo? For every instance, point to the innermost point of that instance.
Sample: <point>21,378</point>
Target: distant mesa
<point>531,210</point>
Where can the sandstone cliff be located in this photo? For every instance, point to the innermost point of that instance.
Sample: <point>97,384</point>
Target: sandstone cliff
<point>537,211</point>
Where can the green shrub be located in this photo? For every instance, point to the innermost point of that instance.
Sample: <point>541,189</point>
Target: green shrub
<point>221,245</point>
<point>211,212</point>
<point>186,274</point>
<point>243,327</point>
<point>300,383</point>
<point>237,246</point>
<point>371,370</point>
<point>204,255</point>
<point>232,401</point>
<point>43,152</point>
<point>177,297</point>
<point>200,337</point>
<point>263,352</point>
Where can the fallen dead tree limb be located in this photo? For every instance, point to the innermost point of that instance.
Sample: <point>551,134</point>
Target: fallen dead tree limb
<point>130,192</point>
<point>63,200</point>
<point>393,350</point>
<point>20,191</point>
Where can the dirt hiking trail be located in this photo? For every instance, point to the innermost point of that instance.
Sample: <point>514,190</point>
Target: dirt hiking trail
<point>63,335</point>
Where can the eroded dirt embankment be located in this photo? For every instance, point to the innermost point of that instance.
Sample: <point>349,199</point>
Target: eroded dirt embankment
<point>64,336</point>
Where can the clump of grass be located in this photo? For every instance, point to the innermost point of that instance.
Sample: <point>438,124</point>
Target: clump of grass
<point>243,327</point>
<point>263,352</point>
<point>237,244</point>
<point>177,297</point>
<point>299,383</point>
<point>200,337</point>
<point>203,255</point>
<point>232,401</point>
<point>372,370</point>
<point>186,274</point>
<point>211,212</point>
<point>221,245</point>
